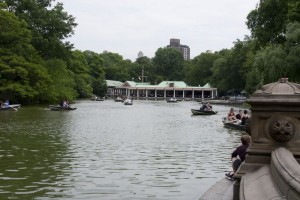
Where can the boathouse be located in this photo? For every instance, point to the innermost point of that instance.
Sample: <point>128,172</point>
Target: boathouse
<point>164,90</point>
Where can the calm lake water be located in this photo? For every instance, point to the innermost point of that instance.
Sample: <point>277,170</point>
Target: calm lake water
<point>151,150</point>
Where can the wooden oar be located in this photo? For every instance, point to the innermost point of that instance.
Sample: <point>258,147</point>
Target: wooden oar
<point>12,108</point>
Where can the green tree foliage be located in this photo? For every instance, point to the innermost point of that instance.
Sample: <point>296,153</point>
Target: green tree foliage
<point>143,63</point>
<point>231,67</point>
<point>50,25</point>
<point>115,67</point>
<point>294,11</point>
<point>220,71</point>
<point>200,71</point>
<point>267,22</point>
<point>274,29</point>
<point>63,86</point>
<point>270,64</point>
<point>22,75</point>
<point>37,64</point>
<point>97,73</point>
<point>81,73</point>
<point>277,61</point>
<point>292,47</point>
<point>169,63</point>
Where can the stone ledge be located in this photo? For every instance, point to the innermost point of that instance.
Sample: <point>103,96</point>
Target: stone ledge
<point>259,185</point>
<point>222,190</point>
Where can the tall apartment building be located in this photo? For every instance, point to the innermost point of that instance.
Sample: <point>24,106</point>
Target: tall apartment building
<point>184,49</point>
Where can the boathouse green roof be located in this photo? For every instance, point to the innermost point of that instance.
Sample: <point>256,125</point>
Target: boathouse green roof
<point>163,84</point>
<point>176,84</point>
<point>111,83</point>
<point>207,85</point>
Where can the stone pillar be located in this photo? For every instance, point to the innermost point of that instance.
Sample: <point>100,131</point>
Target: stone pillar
<point>275,122</point>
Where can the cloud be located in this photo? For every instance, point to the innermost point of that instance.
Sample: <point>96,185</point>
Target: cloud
<point>129,26</point>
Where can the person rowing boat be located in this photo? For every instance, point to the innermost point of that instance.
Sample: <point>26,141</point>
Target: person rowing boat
<point>7,106</point>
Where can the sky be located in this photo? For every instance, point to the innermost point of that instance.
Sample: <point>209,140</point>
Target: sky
<point>127,27</point>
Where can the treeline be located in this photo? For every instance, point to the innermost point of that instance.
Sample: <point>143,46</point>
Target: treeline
<point>38,65</point>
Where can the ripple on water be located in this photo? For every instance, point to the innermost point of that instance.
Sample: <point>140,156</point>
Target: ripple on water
<point>105,150</point>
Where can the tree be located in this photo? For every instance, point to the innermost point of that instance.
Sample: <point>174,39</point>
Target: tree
<point>231,68</point>
<point>97,73</point>
<point>268,21</point>
<point>81,73</point>
<point>63,86</point>
<point>168,63</point>
<point>23,77</point>
<point>200,71</point>
<point>115,67</point>
<point>50,25</point>
<point>292,46</point>
<point>277,60</point>
<point>143,63</point>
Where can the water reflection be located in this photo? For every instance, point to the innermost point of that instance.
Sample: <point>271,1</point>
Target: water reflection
<point>105,150</point>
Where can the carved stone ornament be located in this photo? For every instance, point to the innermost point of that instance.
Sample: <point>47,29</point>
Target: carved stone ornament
<point>282,130</point>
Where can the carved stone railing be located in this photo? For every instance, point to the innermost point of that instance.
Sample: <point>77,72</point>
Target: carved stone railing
<point>275,125</point>
<point>286,173</point>
<point>279,180</point>
<point>271,170</point>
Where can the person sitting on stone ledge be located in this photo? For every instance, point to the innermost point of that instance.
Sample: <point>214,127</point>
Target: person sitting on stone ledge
<point>238,156</point>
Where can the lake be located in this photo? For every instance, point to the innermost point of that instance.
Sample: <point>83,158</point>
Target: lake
<point>151,150</point>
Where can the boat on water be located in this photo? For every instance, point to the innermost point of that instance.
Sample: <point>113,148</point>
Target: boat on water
<point>172,100</point>
<point>203,112</point>
<point>60,108</point>
<point>128,102</point>
<point>233,125</point>
<point>12,107</point>
<point>95,98</point>
<point>118,99</point>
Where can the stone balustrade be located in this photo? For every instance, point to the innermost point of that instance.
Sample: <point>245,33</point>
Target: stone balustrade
<point>286,173</point>
<point>278,180</point>
<point>271,170</point>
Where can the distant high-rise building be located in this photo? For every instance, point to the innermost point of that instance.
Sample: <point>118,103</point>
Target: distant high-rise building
<point>183,49</point>
<point>140,54</point>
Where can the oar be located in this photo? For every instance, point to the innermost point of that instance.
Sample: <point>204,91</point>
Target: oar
<point>12,108</point>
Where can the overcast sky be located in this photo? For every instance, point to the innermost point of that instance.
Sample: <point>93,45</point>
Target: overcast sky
<point>129,26</point>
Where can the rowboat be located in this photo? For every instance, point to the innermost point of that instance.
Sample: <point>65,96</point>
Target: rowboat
<point>172,100</point>
<point>118,99</point>
<point>233,125</point>
<point>128,102</point>
<point>12,107</point>
<point>60,108</point>
<point>203,112</point>
<point>95,98</point>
